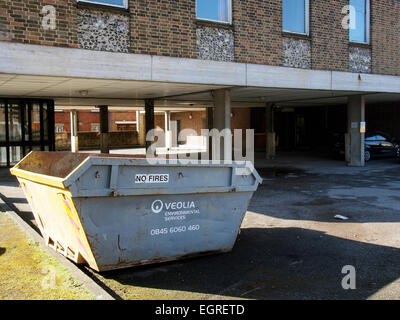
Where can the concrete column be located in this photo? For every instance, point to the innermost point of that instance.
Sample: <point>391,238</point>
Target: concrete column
<point>168,132</point>
<point>74,131</point>
<point>355,137</point>
<point>137,121</point>
<point>210,126</point>
<point>149,118</point>
<point>222,120</point>
<point>142,129</point>
<point>270,131</point>
<point>104,129</point>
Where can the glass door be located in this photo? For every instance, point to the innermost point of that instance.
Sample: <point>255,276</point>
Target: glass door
<point>25,125</point>
<point>15,114</point>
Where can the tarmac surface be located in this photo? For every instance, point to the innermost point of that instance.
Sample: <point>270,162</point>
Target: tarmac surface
<point>291,246</point>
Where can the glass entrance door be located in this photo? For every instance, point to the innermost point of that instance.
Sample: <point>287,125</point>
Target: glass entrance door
<point>25,125</point>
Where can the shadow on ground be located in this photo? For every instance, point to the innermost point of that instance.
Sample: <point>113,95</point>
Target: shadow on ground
<point>278,263</point>
<point>2,251</point>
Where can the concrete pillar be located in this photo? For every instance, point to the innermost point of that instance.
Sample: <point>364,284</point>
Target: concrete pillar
<point>142,129</point>
<point>137,121</point>
<point>270,131</point>
<point>149,118</point>
<point>168,132</point>
<point>210,126</point>
<point>74,131</point>
<point>104,129</point>
<point>355,137</point>
<point>222,120</point>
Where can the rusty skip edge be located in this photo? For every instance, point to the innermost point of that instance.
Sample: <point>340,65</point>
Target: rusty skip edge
<point>68,167</point>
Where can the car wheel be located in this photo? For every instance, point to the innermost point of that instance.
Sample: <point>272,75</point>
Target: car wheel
<point>367,155</point>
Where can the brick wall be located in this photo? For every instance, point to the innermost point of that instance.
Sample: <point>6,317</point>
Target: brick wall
<point>85,120</point>
<point>197,122</point>
<point>168,28</point>
<point>329,41</point>
<point>164,28</point>
<point>121,116</point>
<point>258,31</point>
<point>91,140</point>
<point>21,21</point>
<point>385,36</point>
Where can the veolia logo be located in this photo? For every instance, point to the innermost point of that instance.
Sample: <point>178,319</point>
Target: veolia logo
<point>157,206</point>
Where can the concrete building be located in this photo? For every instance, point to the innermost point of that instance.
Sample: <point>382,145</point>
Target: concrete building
<point>294,71</point>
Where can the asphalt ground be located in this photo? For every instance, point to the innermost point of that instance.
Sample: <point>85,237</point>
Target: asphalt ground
<point>291,246</point>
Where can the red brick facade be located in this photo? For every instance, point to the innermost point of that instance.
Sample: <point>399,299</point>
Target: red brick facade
<point>21,21</point>
<point>87,119</point>
<point>329,41</point>
<point>258,31</point>
<point>385,37</point>
<point>168,28</point>
<point>163,27</point>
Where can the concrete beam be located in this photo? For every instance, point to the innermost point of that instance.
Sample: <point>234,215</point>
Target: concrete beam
<point>165,69</point>
<point>365,82</point>
<point>67,62</point>
<point>24,59</point>
<point>283,77</point>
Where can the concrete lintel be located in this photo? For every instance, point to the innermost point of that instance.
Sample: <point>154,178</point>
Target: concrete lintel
<point>25,59</point>
<point>68,62</point>
<point>365,82</point>
<point>283,77</point>
<point>166,69</point>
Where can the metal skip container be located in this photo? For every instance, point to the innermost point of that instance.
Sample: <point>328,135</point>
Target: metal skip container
<point>113,212</point>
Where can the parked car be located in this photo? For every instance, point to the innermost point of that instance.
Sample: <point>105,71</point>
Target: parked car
<point>377,144</point>
<point>380,144</point>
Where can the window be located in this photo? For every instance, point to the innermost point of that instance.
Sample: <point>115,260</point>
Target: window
<point>359,21</point>
<point>95,127</point>
<point>113,3</point>
<point>214,10</point>
<point>295,16</point>
<point>59,127</point>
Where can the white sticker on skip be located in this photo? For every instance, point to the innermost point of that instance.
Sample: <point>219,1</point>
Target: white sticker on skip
<point>152,178</point>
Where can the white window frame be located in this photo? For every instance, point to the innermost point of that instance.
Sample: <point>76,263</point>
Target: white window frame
<point>306,20</point>
<point>367,24</point>
<point>229,8</point>
<point>124,6</point>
